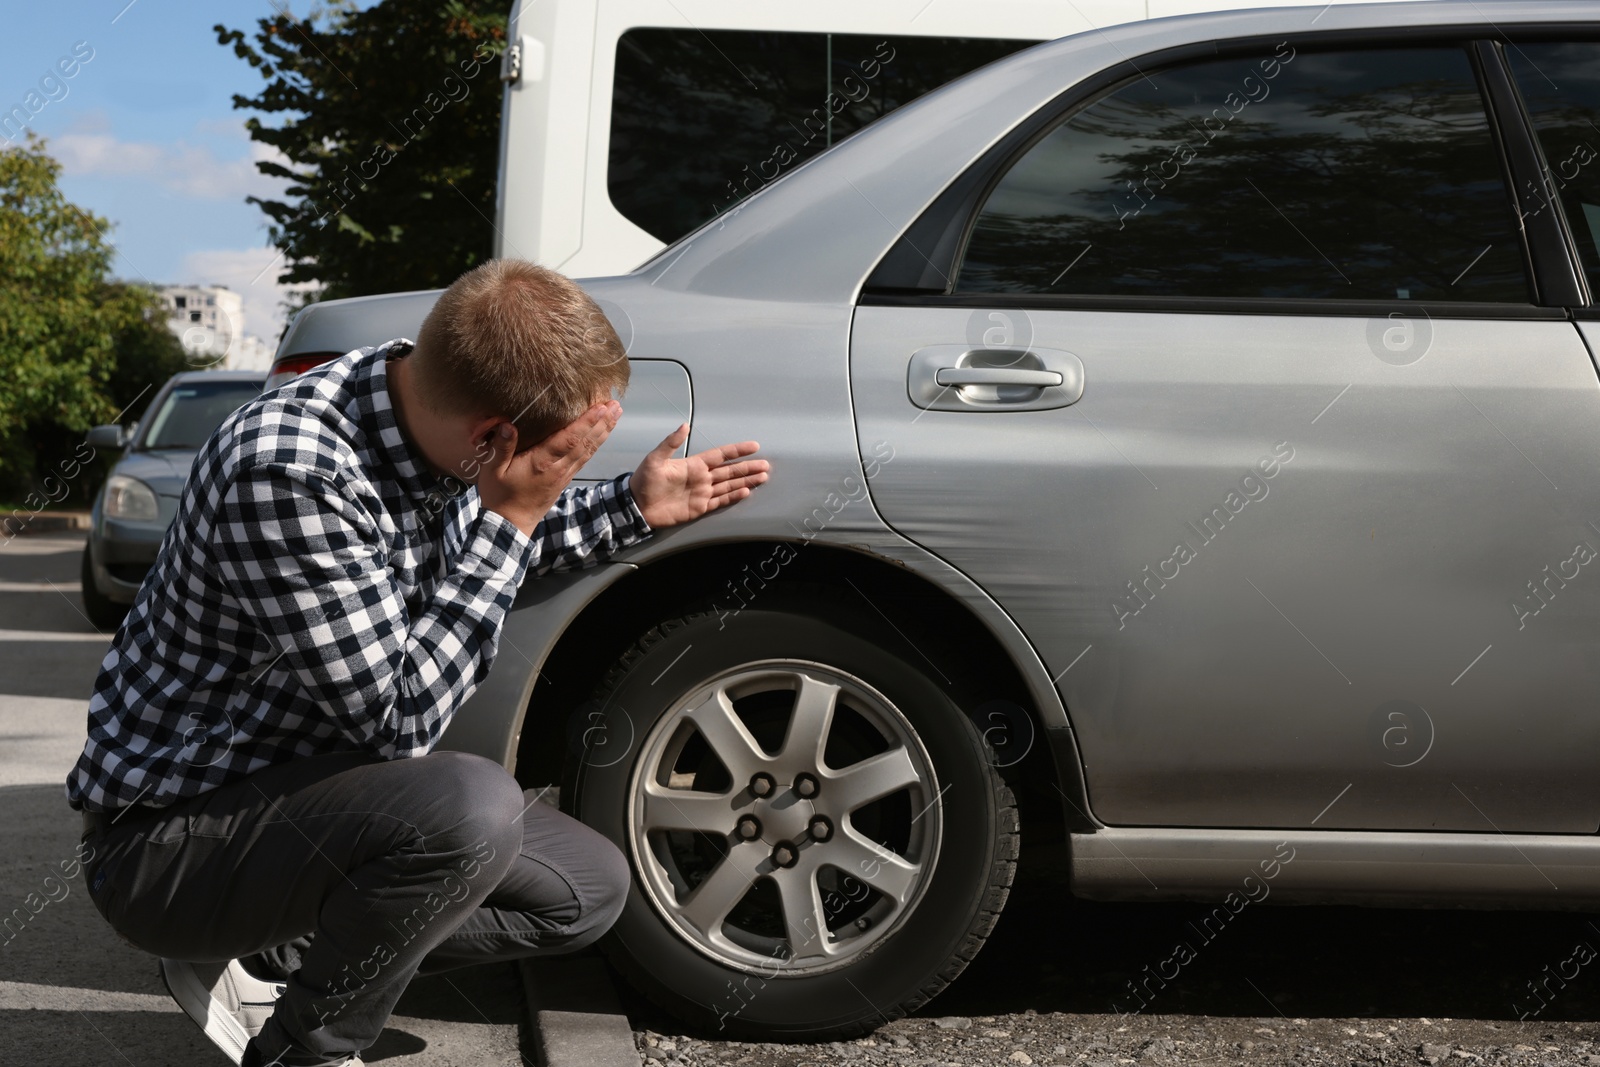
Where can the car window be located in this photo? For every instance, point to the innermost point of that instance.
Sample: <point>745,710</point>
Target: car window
<point>1560,82</point>
<point>1344,175</point>
<point>700,120</point>
<point>191,411</point>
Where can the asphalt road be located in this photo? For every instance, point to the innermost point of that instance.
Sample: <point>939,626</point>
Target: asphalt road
<point>71,992</point>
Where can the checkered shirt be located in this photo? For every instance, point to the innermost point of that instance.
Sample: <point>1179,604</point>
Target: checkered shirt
<point>319,591</point>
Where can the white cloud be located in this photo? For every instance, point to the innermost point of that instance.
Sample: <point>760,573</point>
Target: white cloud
<point>193,170</point>
<point>250,272</point>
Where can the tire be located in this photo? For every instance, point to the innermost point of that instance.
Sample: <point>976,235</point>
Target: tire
<point>907,887</point>
<point>104,613</point>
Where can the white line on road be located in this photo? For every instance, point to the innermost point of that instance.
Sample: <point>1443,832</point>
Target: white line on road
<point>41,545</point>
<point>28,996</point>
<point>52,635</point>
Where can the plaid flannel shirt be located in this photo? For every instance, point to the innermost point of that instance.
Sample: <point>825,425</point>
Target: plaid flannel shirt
<point>319,591</point>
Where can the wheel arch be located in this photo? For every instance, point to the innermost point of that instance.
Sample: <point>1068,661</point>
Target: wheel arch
<point>1047,775</point>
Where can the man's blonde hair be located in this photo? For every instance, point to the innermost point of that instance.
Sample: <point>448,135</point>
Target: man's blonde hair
<point>515,339</point>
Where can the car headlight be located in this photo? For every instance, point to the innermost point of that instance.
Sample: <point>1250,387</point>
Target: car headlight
<point>129,498</point>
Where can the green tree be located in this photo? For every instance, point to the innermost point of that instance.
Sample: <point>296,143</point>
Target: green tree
<point>75,347</point>
<point>391,132</point>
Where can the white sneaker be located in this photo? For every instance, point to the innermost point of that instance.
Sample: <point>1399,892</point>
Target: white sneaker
<point>228,1002</point>
<point>253,1059</point>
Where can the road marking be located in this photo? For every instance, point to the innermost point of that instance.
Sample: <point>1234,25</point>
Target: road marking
<point>29,996</point>
<point>51,635</point>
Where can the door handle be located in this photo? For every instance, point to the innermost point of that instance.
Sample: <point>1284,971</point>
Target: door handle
<point>993,378</point>
<point>996,376</point>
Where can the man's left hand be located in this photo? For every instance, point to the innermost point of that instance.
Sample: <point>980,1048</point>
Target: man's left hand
<point>672,491</point>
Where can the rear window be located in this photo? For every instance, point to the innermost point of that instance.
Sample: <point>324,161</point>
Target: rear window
<point>1360,174</point>
<point>700,120</point>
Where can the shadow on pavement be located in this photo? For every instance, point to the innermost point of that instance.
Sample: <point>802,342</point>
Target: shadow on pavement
<point>1052,953</point>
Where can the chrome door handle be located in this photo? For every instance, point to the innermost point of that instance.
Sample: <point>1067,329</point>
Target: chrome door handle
<point>996,376</point>
<point>993,378</point>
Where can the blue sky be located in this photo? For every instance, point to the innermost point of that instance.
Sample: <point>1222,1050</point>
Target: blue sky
<point>148,135</point>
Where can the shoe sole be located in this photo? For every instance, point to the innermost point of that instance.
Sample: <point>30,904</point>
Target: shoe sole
<point>217,1022</point>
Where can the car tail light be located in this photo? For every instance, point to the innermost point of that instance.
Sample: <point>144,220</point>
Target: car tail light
<point>287,367</point>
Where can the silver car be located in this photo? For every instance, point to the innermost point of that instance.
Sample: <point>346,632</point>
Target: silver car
<point>1185,442</point>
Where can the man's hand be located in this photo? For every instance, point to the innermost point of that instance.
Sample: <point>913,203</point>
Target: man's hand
<point>523,487</point>
<point>671,491</point>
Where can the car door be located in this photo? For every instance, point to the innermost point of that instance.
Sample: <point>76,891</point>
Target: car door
<point>1247,392</point>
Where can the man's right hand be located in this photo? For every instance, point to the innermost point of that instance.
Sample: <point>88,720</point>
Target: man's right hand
<point>524,486</point>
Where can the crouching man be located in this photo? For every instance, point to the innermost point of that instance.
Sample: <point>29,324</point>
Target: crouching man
<point>258,786</point>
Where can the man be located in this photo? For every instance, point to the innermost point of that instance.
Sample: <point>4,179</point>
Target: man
<point>258,785</point>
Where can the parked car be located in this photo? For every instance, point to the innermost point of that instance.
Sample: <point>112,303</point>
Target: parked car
<point>132,511</point>
<point>1184,445</point>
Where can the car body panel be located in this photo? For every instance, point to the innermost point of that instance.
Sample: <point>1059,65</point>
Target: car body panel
<point>1239,867</point>
<point>1590,332</point>
<point>1408,508</point>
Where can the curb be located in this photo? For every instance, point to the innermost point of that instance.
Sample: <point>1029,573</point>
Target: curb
<point>577,1019</point>
<point>44,522</point>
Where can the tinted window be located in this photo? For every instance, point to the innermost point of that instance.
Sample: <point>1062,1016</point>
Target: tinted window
<point>1353,175</point>
<point>1561,85</point>
<point>191,411</point>
<point>700,120</point>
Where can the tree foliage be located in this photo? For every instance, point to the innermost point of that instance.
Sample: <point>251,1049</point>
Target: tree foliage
<point>390,132</point>
<point>75,347</point>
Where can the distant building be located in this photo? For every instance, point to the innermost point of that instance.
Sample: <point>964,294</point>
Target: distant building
<point>209,322</point>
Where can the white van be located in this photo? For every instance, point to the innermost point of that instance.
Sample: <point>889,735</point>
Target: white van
<point>627,123</point>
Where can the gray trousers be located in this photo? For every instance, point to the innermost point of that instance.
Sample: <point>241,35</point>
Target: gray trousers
<point>397,867</point>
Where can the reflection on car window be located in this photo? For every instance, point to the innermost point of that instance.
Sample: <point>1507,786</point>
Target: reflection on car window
<point>700,120</point>
<point>192,410</point>
<point>1560,83</point>
<point>1342,175</point>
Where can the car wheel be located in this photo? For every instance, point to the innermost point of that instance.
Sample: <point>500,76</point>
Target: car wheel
<point>104,613</point>
<point>819,838</point>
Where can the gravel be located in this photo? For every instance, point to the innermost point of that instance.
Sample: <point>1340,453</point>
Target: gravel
<point>1056,1038</point>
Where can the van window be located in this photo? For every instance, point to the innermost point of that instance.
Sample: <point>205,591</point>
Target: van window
<point>1337,175</point>
<point>700,120</point>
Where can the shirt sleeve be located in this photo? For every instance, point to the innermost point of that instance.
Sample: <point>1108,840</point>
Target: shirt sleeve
<point>587,524</point>
<point>307,562</point>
